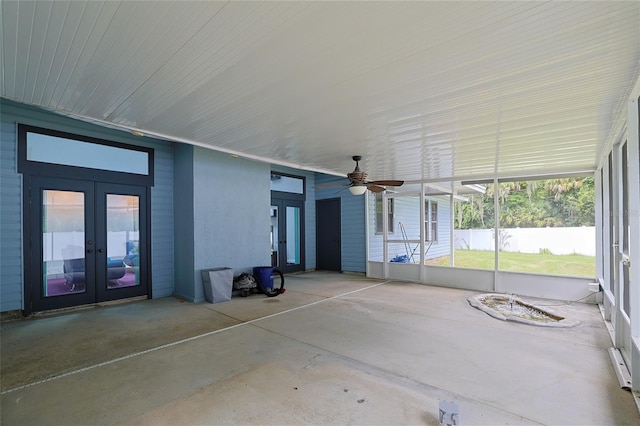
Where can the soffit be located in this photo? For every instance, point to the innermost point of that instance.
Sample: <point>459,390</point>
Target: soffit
<point>425,91</point>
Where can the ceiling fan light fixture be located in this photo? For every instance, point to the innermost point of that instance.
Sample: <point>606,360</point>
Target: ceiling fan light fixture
<point>358,189</point>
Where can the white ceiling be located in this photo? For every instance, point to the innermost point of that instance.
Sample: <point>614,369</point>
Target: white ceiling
<point>423,90</point>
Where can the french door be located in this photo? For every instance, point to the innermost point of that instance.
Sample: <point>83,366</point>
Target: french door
<point>621,252</point>
<point>287,234</point>
<point>87,242</point>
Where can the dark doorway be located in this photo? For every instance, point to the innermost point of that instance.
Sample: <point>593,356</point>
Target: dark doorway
<point>328,235</point>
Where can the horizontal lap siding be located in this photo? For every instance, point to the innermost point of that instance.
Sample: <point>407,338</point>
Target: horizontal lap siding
<point>11,256</point>
<point>407,212</point>
<point>353,233</point>
<point>10,219</point>
<point>352,219</point>
<point>162,225</point>
<point>375,240</point>
<point>442,246</point>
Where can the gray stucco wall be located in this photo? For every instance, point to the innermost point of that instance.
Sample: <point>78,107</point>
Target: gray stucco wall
<point>231,199</point>
<point>11,247</point>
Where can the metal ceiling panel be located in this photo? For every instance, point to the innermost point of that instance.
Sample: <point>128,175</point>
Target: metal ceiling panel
<point>425,91</point>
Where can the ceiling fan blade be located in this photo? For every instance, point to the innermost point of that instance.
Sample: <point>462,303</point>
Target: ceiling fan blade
<point>387,182</point>
<point>375,188</point>
<point>331,185</point>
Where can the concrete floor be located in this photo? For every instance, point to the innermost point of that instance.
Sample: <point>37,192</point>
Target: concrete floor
<point>334,349</point>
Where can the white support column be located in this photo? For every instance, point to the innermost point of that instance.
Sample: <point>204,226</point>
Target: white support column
<point>366,234</point>
<point>423,231</point>
<point>496,242</point>
<point>385,236</point>
<point>607,239</point>
<point>452,244</point>
<point>599,224</point>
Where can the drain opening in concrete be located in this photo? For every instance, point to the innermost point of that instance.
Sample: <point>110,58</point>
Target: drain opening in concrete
<point>511,308</point>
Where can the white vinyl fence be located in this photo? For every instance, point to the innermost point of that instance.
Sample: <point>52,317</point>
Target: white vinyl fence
<point>581,240</point>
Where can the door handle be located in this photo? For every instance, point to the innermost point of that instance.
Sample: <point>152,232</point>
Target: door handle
<point>100,250</point>
<point>626,260</point>
<point>89,251</point>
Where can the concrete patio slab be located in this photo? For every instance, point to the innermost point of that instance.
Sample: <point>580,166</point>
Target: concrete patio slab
<point>335,349</point>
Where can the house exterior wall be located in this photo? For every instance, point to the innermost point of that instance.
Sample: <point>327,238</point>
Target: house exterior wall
<point>231,199</point>
<point>443,246</point>
<point>199,199</point>
<point>309,212</point>
<point>11,190</point>
<point>11,289</point>
<point>352,229</point>
<point>407,213</point>
<point>184,268</point>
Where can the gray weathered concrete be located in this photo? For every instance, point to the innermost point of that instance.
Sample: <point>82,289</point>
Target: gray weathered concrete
<point>334,349</point>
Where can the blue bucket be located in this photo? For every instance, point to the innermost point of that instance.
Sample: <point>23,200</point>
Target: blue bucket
<point>264,275</point>
<point>400,259</point>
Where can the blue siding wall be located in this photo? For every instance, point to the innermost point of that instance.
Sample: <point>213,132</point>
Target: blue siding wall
<point>352,222</point>
<point>10,219</point>
<point>183,212</point>
<point>11,286</point>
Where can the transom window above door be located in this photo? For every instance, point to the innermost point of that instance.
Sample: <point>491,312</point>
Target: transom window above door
<point>52,153</point>
<point>290,184</point>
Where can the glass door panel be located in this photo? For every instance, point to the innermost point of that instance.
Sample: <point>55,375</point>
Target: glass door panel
<point>123,240</point>
<point>293,235</point>
<point>625,229</point>
<point>287,235</point>
<point>274,235</point>
<point>59,270</point>
<point>63,242</point>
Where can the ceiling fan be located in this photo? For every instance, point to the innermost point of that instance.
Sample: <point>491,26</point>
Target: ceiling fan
<point>359,183</point>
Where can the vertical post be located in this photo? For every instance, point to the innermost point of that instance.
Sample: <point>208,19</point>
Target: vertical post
<point>367,225</point>
<point>385,237</point>
<point>452,244</point>
<point>599,224</point>
<point>423,231</point>
<point>496,243</point>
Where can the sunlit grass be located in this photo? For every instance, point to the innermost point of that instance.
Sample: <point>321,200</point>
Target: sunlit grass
<point>552,264</point>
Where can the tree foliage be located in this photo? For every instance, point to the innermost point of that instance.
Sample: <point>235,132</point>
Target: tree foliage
<point>531,204</point>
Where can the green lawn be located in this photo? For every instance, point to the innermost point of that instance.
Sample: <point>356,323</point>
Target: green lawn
<point>570,264</point>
